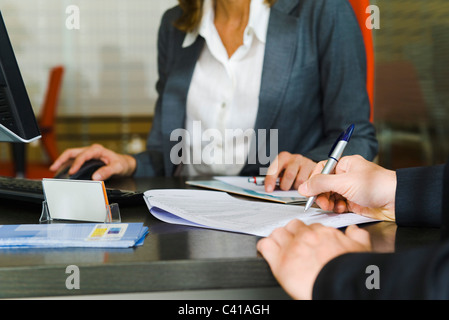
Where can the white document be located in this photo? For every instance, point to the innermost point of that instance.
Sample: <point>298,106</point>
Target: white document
<point>219,210</point>
<point>241,186</point>
<point>242,182</point>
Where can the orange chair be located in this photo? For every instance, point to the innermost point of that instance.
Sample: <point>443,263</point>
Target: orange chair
<point>402,114</point>
<point>46,124</point>
<point>359,7</point>
<point>48,112</point>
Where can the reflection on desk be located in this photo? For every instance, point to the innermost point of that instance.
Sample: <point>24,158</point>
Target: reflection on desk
<point>173,258</point>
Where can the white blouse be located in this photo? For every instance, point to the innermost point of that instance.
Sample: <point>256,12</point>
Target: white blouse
<point>223,97</point>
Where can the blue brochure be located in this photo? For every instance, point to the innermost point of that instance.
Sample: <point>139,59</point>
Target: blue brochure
<point>82,235</point>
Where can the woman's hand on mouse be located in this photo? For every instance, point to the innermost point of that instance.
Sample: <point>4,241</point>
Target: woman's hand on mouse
<point>116,164</point>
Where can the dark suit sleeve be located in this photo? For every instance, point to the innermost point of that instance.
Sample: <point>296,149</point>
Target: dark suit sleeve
<point>419,196</point>
<point>414,274</point>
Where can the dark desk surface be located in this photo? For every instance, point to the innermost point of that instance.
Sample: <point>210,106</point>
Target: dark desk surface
<point>173,258</point>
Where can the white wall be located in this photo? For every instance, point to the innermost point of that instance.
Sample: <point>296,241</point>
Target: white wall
<point>110,61</point>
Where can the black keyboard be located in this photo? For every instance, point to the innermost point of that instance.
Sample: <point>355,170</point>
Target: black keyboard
<point>29,190</point>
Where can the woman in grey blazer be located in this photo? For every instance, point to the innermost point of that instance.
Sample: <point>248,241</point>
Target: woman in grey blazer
<point>312,86</point>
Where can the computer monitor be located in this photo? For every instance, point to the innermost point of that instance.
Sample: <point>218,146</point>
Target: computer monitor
<point>17,120</point>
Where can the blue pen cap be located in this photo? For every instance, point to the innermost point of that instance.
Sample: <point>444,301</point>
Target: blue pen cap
<point>344,136</point>
<point>348,133</point>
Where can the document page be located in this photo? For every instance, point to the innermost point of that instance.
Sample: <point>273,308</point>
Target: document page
<point>219,210</point>
<point>241,186</point>
<point>242,182</point>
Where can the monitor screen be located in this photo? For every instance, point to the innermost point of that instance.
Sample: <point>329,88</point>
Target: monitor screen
<point>17,120</point>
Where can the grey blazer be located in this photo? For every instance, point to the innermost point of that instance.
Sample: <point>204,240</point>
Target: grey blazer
<point>313,84</point>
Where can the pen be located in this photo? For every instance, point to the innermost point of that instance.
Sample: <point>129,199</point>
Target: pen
<point>260,181</point>
<point>334,156</point>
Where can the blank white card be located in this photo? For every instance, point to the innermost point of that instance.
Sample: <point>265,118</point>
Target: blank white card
<point>76,199</point>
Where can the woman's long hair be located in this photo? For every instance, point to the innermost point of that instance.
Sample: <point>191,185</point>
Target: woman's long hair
<point>192,11</point>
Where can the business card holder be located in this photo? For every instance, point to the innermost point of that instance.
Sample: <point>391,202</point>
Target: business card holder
<point>112,214</point>
<point>77,200</point>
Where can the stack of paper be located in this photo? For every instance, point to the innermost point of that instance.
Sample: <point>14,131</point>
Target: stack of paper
<point>219,210</point>
<point>86,235</point>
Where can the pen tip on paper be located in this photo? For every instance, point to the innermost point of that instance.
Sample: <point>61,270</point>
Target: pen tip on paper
<point>309,203</point>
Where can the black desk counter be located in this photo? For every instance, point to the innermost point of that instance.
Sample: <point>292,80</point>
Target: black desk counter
<point>172,259</point>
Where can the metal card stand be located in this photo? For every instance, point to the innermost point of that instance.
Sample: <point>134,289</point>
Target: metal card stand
<point>112,214</point>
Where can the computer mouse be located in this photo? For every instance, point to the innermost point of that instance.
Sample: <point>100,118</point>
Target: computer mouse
<point>84,173</point>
